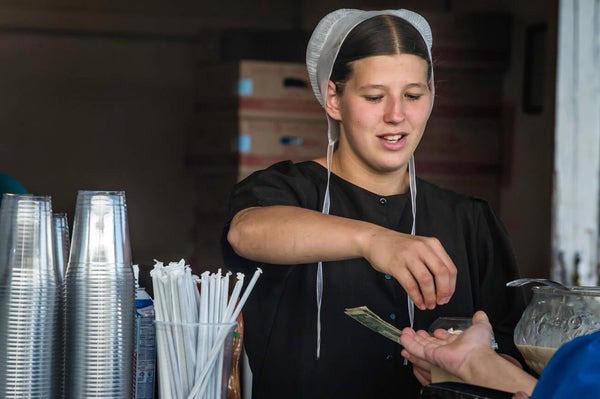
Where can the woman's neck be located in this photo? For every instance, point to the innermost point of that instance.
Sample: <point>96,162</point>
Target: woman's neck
<point>396,182</point>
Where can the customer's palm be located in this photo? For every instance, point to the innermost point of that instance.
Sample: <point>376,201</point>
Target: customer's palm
<point>447,350</point>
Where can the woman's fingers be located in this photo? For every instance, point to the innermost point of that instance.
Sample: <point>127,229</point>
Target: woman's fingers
<point>425,281</point>
<point>411,286</point>
<point>419,264</point>
<point>446,289</point>
<point>433,270</point>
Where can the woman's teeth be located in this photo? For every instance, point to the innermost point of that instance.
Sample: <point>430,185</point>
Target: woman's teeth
<point>392,139</point>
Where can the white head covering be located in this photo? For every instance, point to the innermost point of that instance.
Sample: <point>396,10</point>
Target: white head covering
<point>321,53</point>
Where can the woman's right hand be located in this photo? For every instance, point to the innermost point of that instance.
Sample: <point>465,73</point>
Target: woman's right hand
<point>420,264</point>
<point>289,235</point>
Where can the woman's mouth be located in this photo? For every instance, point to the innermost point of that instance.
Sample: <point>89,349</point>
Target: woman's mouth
<point>393,138</point>
<point>393,141</point>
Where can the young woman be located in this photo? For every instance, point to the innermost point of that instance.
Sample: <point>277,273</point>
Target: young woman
<point>358,229</point>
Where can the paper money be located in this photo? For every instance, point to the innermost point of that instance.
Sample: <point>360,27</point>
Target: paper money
<point>367,318</point>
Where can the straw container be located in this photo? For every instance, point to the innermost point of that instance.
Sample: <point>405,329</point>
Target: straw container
<point>190,352</point>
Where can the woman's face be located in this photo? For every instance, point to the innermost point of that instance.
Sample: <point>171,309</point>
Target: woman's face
<point>383,111</point>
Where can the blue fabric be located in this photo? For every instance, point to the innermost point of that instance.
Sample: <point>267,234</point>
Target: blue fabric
<point>573,371</point>
<point>11,185</point>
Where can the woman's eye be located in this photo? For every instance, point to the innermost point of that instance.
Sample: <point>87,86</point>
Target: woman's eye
<point>373,99</point>
<point>412,97</point>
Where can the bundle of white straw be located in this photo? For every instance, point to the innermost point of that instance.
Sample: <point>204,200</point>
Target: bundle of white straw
<point>193,325</point>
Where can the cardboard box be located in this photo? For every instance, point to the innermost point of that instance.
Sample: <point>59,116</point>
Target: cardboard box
<point>258,88</point>
<point>256,144</point>
<point>263,142</point>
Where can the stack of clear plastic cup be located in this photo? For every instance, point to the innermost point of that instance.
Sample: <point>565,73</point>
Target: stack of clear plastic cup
<point>60,239</point>
<point>30,296</point>
<point>100,294</point>
<point>60,231</point>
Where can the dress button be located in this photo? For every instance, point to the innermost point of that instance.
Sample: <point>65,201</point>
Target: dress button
<point>393,316</point>
<point>387,277</point>
<point>382,201</point>
<point>389,357</point>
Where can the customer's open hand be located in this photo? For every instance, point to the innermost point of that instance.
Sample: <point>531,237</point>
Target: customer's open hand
<point>446,350</point>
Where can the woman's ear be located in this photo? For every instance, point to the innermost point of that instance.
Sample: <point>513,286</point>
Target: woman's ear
<point>332,102</point>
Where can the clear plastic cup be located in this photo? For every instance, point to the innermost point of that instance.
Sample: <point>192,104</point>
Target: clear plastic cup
<point>100,230</point>
<point>26,252</point>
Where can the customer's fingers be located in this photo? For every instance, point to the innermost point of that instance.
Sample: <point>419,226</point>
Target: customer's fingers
<point>480,317</point>
<point>423,376</point>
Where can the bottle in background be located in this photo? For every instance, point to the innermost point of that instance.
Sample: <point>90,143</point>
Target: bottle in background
<point>144,354</point>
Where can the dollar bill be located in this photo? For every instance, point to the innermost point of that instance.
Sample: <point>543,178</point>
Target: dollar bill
<point>367,318</point>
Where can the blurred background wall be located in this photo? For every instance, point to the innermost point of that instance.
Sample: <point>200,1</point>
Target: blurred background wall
<point>115,95</point>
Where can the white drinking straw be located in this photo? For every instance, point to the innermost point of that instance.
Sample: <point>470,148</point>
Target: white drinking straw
<point>247,292</point>
<point>202,352</point>
<point>169,368</point>
<point>234,296</point>
<point>174,273</point>
<point>223,306</point>
<point>186,329</point>
<point>165,383</point>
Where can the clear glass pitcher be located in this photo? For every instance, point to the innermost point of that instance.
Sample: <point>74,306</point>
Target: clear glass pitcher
<point>553,317</point>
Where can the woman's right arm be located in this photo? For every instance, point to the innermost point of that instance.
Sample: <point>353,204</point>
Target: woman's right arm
<point>293,235</point>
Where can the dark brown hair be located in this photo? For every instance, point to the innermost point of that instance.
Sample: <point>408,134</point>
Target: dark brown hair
<point>380,35</point>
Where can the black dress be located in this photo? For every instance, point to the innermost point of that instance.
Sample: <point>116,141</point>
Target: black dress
<point>355,362</point>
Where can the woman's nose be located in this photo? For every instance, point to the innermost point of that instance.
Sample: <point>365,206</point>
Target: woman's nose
<point>394,111</point>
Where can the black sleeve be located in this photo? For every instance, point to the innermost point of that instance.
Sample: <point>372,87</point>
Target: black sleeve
<point>283,183</point>
<point>497,266</point>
